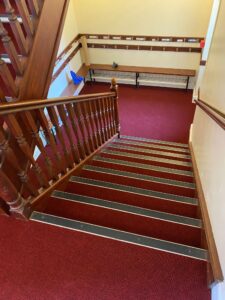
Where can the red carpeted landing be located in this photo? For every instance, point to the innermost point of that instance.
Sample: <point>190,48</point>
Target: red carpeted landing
<point>43,262</point>
<point>152,112</point>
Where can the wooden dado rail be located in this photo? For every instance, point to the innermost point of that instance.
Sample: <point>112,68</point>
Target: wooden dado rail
<point>23,35</point>
<point>82,125</point>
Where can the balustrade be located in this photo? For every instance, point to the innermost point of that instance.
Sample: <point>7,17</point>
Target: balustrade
<point>74,129</point>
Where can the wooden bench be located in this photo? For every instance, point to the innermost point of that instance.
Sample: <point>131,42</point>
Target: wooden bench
<point>146,70</point>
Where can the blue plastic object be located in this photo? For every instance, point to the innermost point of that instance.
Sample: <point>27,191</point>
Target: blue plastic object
<point>76,79</point>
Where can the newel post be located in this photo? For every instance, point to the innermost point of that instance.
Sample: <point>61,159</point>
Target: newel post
<point>11,196</point>
<point>114,88</point>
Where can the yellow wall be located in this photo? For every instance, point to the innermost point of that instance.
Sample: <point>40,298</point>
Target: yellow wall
<point>209,142</point>
<point>146,17</point>
<point>150,17</point>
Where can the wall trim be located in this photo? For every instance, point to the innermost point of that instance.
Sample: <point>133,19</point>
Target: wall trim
<point>214,270</point>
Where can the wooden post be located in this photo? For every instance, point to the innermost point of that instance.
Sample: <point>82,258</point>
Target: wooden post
<point>16,28</point>
<point>11,50</point>
<point>8,79</point>
<point>114,88</point>
<point>86,56</point>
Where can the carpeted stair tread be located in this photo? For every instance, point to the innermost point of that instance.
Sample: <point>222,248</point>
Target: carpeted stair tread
<point>147,159</point>
<point>162,245</point>
<point>161,142</point>
<point>154,152</point>
<point>122,220</point>
<point>132,199</point>
<point>128,208</point>
<point>139,180</point>
<point>141,168</point>
<point>151,146</point>
<point>134,190</point>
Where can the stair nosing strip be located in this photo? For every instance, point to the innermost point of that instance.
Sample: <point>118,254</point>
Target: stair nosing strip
<point>136,176</point>
<point>148,158</point>
<point>129,209</point>
<point>116,145</point>
<point>130,189</point>
<point>143,166</point>
<point>118,235</point>
<point>151,145</point>
<point>155,141</point>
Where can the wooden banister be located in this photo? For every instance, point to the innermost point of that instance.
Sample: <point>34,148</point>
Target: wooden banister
<point>214,113</point>
<point>74,128</point>
<point>19,106</point>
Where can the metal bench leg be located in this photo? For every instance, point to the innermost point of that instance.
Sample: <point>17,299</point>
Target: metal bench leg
<point>188,78</point>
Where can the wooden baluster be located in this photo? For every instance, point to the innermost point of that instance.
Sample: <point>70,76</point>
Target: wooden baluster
<point>55,121</point>
<point>108,117</point>
<point>72,116</point>
<point>102,108</point>
<point>94,114</point>
<point>11,196</point>
<point>16,28</point>
<point>114,88</point>
<point>65,121</point>
<point>86,117</point>
<point>92,123</point>
<point>80,119</point>
<point>34,8</point>
<point>111,116</point>
<point>44,123</point>
<point>11,50</point>
<point>35,133</point>
<point>24,13</point>
<point>13,161</point>
<point>2,95</point>
<point>24,146</point>
<point>8,79</point>
<point>98,116</point>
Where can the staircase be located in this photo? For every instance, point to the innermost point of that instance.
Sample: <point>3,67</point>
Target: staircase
<point>134,190</point>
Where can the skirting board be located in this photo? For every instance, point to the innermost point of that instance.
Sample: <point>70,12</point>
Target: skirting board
<point>214,271</point>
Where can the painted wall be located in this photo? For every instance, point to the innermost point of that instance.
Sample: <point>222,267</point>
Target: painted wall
<point>150,17</point>
<point>209,142</point>
<point>146,17</point>
<point>69,32</point>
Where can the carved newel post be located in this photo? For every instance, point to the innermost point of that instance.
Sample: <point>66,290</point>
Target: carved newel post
<point>114,88</point>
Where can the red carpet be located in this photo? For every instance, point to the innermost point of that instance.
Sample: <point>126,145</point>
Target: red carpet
<point>43,262</point>
<point>151,112</point>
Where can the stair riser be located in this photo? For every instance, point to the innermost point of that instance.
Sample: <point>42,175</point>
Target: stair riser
<point>125,222</point>
<point>139,183</point>
<point>147,152</point>
<point>142,171</point>
<point>143,161</point>
<point>133,199</point>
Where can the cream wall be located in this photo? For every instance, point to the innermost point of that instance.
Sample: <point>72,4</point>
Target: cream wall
<point>209,142</point>
<point>69,32</point>
<point>150,17</point>
<point>145,17</point>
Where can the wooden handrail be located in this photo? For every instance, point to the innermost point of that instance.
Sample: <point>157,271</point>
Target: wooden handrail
<point>21,106</point>
<point>214,113</point>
